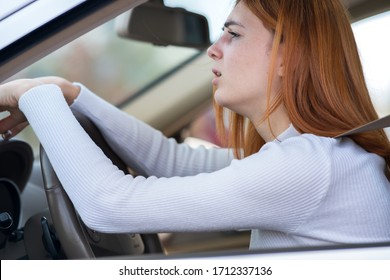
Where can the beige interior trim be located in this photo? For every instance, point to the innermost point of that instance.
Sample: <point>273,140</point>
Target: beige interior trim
<point>173,95</point>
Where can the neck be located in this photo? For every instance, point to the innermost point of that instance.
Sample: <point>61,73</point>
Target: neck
<point>277,122</point>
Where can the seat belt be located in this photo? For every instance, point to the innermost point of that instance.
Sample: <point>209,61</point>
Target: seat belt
<point>377,124</point>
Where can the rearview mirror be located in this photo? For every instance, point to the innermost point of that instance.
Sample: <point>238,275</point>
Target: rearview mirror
<point>160,25</point>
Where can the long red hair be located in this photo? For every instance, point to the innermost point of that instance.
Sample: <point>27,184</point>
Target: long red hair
<point>323,87</point>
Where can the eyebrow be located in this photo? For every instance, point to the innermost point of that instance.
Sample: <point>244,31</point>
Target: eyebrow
<point>232,22</point>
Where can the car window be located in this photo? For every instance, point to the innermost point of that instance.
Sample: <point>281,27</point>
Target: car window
<point>113,67</point>
<point>374,45</point>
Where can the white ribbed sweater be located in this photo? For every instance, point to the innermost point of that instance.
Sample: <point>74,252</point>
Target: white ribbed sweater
<point>302,190</point>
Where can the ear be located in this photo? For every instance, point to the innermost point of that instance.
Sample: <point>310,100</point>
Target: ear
<point>281,70</point>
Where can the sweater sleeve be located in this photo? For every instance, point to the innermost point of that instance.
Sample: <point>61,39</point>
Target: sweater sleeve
<point>272,189</point>
<point>144,148</point>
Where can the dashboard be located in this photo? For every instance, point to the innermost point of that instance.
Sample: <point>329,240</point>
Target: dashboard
<point>16,159</point>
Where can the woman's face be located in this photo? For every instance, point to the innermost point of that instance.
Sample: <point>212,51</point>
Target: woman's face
<point>241,64</point>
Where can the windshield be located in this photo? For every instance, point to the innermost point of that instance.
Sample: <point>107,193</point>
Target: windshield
<point>113,67</point>
<point>117,68</point>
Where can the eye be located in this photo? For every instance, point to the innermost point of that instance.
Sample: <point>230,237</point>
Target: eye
<point>231,33</point>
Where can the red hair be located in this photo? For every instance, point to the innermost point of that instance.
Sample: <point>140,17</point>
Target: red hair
<point>323,87</point>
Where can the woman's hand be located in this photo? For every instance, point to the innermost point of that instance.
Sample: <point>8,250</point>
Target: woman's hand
<point>69,90</point>
<point>10,94</point>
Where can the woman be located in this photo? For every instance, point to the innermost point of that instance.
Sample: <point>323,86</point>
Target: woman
<point>290,72</point>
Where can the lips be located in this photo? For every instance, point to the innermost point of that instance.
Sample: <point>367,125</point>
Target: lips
<point>217,73</point>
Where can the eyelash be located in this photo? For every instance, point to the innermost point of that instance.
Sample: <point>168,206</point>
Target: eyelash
<point>232,34</point>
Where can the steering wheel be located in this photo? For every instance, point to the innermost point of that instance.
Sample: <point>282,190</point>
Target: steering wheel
<point>77,240</point>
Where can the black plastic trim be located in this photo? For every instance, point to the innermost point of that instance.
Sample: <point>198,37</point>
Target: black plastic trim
<point>52,27</point>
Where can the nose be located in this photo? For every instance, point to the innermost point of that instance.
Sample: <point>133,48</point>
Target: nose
<point>214,51</point>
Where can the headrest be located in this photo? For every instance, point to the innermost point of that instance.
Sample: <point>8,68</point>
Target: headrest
<point>16,159</point>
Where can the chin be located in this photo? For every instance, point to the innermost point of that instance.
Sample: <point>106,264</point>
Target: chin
<point>220,98</point>
<point>225,102</point>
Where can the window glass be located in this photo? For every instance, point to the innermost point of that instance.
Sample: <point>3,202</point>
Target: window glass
<point>113,67</point>
<point>374,48</point>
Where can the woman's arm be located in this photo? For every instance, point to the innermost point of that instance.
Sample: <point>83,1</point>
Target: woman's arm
<point>272,189</point>
<point>140,146</point>
<point>144,148</point>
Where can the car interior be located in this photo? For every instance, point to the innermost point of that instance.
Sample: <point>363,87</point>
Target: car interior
<point>149,59</point>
